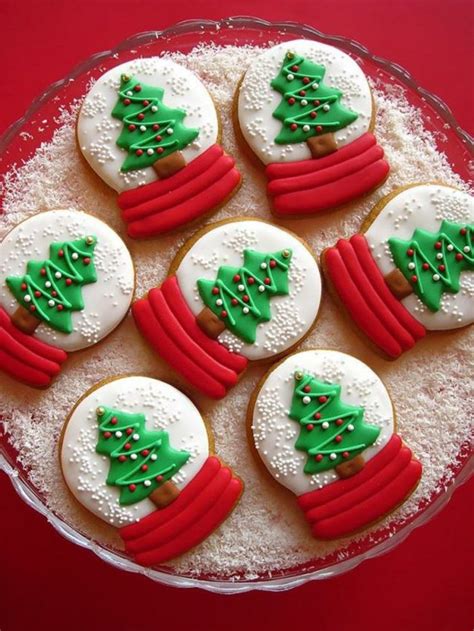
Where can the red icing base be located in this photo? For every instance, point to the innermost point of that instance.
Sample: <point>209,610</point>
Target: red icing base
<point>198,510</point>
<point>170,327</point>
<point>25,358</point>
<point>202,185</point>
<point>312,186</point>
<point>368,299</point>
<point>346,506</point>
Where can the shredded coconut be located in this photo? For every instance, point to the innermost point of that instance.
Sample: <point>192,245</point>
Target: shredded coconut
<point>266,532</point>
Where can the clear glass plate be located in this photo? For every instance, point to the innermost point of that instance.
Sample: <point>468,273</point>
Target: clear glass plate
<point>21,140</point>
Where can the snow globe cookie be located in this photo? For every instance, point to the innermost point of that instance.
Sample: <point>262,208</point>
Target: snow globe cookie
<point>66,281</point>
<point>306,111</point>
<point>411,270</point>
<point>238,291</point>
<point>136,453</point>
<point>150,130</point>
<point>323,425</point>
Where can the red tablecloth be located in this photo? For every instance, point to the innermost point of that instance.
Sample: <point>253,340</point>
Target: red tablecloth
<point>46,582</point>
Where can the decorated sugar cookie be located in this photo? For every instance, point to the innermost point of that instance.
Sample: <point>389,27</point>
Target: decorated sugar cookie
<point>323,425</point>
<point>239,291</point>
<point>412,268</point>
<point>66,281</point>
<point>136,453</point>
<point>149,129</point>
<point>306,111</point>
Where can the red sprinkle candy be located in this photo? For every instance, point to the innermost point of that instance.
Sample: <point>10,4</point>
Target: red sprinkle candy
<point>441,268</point>
<point>159,150</point>
<point>236,278</point>
<point>322,399</point>
<point>459,256</point>
<point>339,422</point>
<point>463,231</point>
<point>141,116</point>
<point>273,263</point>
<point>139,152</point>
<point>317,416</point>
<point>107,434</point>
<point>319,128</point>
<point>114,420</point>
<point>131,127</point>
<point>302,92</point>
<point>345,454</point>
<point>318,458</point>
<point>126,101</point>
<point>68,281</point>
<point>61,253</point>
<point>307,389</point>
<point>425,266</point>
<point>310,427</point>
<point>414,278</point>
<point>267,281</point>
<point>410,252</point>
<point>60,307</point>
<point>159,138</point>
<point>338,439</point>
<point>122,458</point>
<point>137,88</point>
<point>291,100</point>
<point>293,126</point>
<point>156,126</point>
<point>54,293</point>
<point>144,467</point>
<point>145,452</point>
<point>86,260</point>
<point>234,301</point>
<point>32,308</point>
<point>37,293</point>
<point>313,114</point>
<point>127,446</point>
<point>306,80</point>
<point>317,102</point>
<point>43,271</point>
<point>159,478</point>
<point>145,102</point>
<point>215,291</point>
<point>295,68</point>
<point>245,298</point>
<point>129,431</point>
<point>23,286</point>
<point>251,280</point>
<point>132,487</point>
<point>438,245</point>
<point>223,313</point>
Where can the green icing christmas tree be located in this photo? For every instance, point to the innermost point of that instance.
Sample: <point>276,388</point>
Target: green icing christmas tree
<point>50,290</point>
<point>432,262</point>
<point>331,431</point>
<point>240,296</point>
<point>141,460</point>
<point>309,107</point>
<point>151,129</point>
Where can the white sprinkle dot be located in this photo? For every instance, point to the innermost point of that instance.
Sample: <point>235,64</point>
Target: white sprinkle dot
<point>261,288</point>
<point>219,302</point>
<point>306,127</point>
<point>411,265</point>
<point>263,265</point>
<point>245,309</point>
<point>58,274</point>
<point>241,288</point>
<point>142,127</point>
<point>350,427</point>
<point>169,131</point>
<point>326,107</point>
<point>154,108</point>
<point>118,434</point>
<point>290,77</point>
<point>74,256</point>
<point>450,247</point>
<point>439,256</point>
<point>27,298</point>
<point>306,400</point>
<point>315,86</point>
<point>136,437</point>
<point>325,425</point>
<point>303,102</point>
<point>150,152</point>
<point>466,249</point>
<point>147,483</point>
<point>51,303</point>
<point>153,457</point>
<point>332,456</point>
<point>133,456</point>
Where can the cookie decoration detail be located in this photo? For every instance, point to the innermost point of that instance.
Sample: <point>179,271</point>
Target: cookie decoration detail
<point>67,281</point>
<point>411,270</point>
<point>149,129</point>
<point>240,291</point>
<point>323,425</point>
<point>136,453</point>
<point>305,110</point>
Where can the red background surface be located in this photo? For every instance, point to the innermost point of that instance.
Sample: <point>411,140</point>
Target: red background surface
<point>48,583</point>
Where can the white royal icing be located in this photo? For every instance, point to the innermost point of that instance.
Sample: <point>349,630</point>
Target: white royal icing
<point>258,100</point>
<point>292,315</point>
<point>165,407</point>
<point>425,207</point>
<point>97,130</point>
<point>275,433</point>
<point>106,301</point>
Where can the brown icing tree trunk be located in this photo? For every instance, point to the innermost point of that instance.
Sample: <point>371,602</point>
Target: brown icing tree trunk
<point>166,167</point>
<point>164,494</point>
<point>210,323</point>
<point>322,145</point>
<point>351,467</point>
<point>25,320</point>
<point>398,284</point>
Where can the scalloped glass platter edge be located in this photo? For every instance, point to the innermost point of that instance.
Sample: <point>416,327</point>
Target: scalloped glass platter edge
<point>23,137</point>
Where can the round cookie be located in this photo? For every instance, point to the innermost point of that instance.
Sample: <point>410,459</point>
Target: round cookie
<point>238,291</point>
<point>323,425</point>
<point>412,268</point>
<point>67,281</point>
<point>136,453</point>
<point>306,111</point>
<point>149,129</point>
